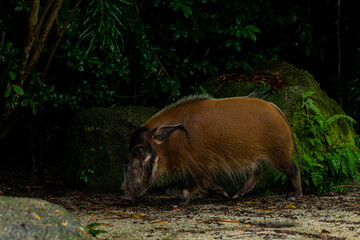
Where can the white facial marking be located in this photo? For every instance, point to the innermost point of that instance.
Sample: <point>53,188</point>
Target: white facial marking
<point>186,193</point>
<point>154,169</point>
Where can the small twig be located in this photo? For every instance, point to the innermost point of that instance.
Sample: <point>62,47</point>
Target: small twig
<point>162,67</point>
<point>353,186</point>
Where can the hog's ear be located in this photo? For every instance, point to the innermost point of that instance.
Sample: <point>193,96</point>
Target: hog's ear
<point>163,132</point>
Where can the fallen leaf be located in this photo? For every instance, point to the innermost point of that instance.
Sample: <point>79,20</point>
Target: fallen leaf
<point>106,224</point>
<point>92,219</point>
<point>139,216</point>
<point>36,216</point>
<point>220,220</point>
<point>251,202</point>
<point>64,224</point>
<point>72,207</point>
<point>291,205</point>
<point>160,222</point>
<point>97,207</point>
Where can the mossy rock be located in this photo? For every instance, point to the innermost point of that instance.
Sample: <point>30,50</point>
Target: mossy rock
<point>29,218</point>
<point>98,146</point>
<point>289,99</point>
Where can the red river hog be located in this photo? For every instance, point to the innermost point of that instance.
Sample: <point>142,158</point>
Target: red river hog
<point>199,136</point>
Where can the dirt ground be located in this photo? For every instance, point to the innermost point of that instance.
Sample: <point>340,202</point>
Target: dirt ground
<point>329,217</point>
<point>253,217</point>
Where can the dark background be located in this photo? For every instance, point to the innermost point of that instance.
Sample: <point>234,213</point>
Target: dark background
<point>152,53</point>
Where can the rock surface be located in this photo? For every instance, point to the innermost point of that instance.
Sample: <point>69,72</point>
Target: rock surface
<point>28,218</point>
<point>288,98</point>
<point>292,90</point>
<point>99,141</point>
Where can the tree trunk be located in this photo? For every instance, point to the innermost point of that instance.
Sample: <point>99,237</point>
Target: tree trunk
<point>34,45</point>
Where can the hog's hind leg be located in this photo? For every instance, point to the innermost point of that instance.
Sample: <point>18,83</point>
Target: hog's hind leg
<point>207,184</point>
<point>252,178</point>
<point>293,173</point>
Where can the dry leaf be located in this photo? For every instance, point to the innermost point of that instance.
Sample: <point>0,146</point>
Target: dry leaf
<point>36,216</point>
<point>106,224</point>
<point>220,220</point>
<point>139,216</point>
<point>251,202</point>
<point>109,208</point>
<point>64,224</point>
<point>324,232</point>
<point>72,207</point>
<point>97,207</point>
<point>160,222</point>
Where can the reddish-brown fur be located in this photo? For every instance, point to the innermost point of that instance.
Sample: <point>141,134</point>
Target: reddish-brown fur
<point>228,135</point>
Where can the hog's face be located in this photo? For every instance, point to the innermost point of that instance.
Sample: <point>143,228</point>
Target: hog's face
<point>138,171</point>
<point>143,166</point>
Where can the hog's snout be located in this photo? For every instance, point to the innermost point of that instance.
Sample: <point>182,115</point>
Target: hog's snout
<point>129,198</point>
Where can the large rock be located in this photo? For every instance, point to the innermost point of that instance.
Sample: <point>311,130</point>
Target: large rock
<point>98,146</point>
<point>294,84</point>
<point>28,218</point>
<point>289,98</point>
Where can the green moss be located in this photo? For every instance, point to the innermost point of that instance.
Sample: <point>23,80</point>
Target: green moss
<point>289,99</point>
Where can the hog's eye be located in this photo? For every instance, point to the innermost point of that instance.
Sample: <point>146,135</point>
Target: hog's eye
<point>139,152</point>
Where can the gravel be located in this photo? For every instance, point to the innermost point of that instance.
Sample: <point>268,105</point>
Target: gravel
<point>253,217</point>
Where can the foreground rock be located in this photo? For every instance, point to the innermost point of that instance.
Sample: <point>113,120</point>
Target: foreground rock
<point>27,218</point>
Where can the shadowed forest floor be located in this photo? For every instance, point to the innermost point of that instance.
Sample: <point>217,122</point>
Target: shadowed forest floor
<point>253,217</point>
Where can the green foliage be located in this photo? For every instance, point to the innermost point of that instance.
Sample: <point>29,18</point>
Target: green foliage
<point>94,232</point>
<point>114,50</point>
<point>326,165</point>
<point>84,175</point>
<point>9,58</point>
<point>267,89</point>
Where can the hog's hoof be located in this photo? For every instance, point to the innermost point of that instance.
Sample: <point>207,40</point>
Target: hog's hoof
<point>295,197</point>
<point>237,195</point>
